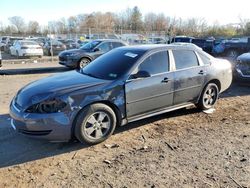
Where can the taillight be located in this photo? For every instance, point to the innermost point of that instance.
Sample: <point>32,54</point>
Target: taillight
<point>24,47</point>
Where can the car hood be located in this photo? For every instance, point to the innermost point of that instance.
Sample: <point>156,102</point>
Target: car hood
<point>53,86</point>
<point>244,57</point>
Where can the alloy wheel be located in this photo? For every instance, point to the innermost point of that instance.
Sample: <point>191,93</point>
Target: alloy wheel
<point>210,96</point>
<point>97,125</point>
<point>83,63</point>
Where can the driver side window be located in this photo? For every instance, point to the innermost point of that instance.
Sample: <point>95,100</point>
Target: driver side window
<point>155,63</point>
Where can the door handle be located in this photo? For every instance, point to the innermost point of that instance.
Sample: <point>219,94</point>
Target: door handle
<point>166,80</point>
<point>202,72</point>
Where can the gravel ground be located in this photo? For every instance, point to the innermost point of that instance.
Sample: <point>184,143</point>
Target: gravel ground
<point>185,148</point>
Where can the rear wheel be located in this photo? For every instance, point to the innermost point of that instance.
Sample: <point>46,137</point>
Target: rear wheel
<point>95,124</point>
<point>209,96</point>
<point>83,62</point>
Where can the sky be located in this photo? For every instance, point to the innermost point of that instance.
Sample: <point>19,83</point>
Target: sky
<point>214,11</point>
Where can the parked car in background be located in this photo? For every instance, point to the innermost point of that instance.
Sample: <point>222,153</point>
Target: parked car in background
<point>10,42</point>
<point>3,42</point>
<point>233,48</point>
<point>69,43</point>
<point>157,40</point>
<point>82,43</point>
<point>78,58</point>
<point>206,44</point>
<point>102,36</point>
<point>53,47</point>
<point>124,85</point>
<point>0,59</point>
<point>40,40</point>
<point>182,39</point>
<point>242,68</point>
<point>26,48</point>
<point>134,39</point>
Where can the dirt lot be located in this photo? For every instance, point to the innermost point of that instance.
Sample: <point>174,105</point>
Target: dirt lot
<point>186,148</point>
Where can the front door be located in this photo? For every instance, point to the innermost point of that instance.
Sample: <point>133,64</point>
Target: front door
<point>155,92</point>
<point>102,49</point>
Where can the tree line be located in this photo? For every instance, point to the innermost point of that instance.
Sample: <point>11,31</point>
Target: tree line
<point>130,20</point>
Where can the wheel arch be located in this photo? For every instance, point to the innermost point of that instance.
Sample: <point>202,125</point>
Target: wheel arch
<point>106,102</point>
<point>215,81</point>
<point>87,57</point>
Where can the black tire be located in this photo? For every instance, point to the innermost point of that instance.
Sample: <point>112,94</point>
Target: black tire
<point>83,62</point>
<point>95,123</point>
<point>208,97</point>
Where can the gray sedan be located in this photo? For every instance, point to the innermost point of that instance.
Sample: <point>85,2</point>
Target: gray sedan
<point>122,86</point>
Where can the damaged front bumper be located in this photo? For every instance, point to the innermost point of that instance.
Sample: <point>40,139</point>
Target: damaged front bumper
<point>50,126</point>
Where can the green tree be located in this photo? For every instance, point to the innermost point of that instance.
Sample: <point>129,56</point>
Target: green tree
<point>136,20</point>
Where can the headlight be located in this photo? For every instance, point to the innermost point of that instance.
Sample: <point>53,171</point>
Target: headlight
<point>72,54</point>
<point>48,106</point>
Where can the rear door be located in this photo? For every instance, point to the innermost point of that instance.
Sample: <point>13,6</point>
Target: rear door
<point>188,76</point>
<point>155,92</point>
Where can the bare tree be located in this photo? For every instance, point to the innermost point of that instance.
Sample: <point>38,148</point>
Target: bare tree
<point>150,21</point>
<point>33,27</point>
<point>72,24</point>
<point>18,22</point>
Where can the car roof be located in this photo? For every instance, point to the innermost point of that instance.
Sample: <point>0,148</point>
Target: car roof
<point>175,46</point>
<point>109,40</point>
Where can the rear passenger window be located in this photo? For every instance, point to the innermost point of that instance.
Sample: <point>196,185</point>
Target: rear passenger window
<point>155,63</point>
<point>204,59</point>
<point>185,59</point>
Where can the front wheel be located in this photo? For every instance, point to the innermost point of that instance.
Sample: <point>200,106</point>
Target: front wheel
<point>95,124</point>
<point>209,96</point>
<point>83,62</point>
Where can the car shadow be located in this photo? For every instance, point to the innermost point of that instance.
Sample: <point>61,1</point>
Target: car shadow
<point>236,89</point>
<point>17,149</point>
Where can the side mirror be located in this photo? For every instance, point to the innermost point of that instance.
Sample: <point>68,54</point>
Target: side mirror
<point>141,74</point>
<point>97,50</point>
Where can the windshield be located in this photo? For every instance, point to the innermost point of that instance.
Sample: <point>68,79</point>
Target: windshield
<point>90,45</point>
<point>113,64</point>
